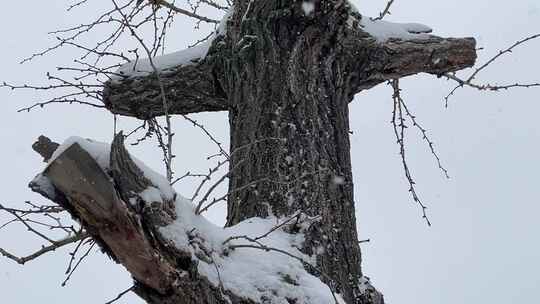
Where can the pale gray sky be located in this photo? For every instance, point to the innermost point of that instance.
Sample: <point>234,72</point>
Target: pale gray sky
<point>483,246</point>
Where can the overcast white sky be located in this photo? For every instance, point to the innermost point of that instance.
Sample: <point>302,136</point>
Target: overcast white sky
<point>483,246</point>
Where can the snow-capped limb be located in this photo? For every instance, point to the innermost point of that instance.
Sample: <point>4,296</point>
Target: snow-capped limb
<point>400,58</point>
<point>173,254</point>
<point>168,62</point>
<point>400,49</point>
<point>384,30</point>
<point>188,78</point>
<point>165,63</point>
<point>189,89</point>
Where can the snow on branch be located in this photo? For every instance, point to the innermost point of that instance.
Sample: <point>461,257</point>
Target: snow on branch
<point>382,31</point>
<point>382,51</point>
<point>166,63</point>
<point>256,260</point>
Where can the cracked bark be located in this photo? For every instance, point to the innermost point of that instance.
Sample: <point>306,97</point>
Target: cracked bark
<point>286,80</point>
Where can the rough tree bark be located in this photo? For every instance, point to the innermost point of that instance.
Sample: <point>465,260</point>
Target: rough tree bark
<point>286,78</point>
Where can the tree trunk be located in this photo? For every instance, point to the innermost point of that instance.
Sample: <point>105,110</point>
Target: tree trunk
<point>289,126</point>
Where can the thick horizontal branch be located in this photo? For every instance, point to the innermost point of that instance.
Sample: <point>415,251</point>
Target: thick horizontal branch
<point>189,89</point>
<point>434,56</point>
<point>397,58</point>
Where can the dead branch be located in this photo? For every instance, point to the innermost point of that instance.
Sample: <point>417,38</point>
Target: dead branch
<point>130,235</point>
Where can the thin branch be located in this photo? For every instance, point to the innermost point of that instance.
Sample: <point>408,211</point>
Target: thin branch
<point>209,135</point>
<point>120,295</point>
<point>77,4</point>
<point>73,256</point>
<point>68,101</point>
<point>398,124</point>
<point>183,11</point>
<point>386,10</point>
<point>207,178</point>
<point>45,249</point>
<point>168,152</point>
<point>213,187</point>
<point>82,258</point>
<point>425,137</point>
<point>488,87</point>
<point>274,228</point>
<point>482,87</point>
<point>187,174</point>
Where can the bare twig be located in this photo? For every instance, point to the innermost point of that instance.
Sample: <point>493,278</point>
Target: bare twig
<point>213,187</point>
<point>262,236</point>
<point>183,11</point>
<point>469,81</point>
<point>187,174</point>
<point>120,295</point>
<point>81,259</point>
<point>399,126</point>
<point>73,255</point>
<point>169,133</point>
<point>207,178</point>
<point>386,10</point>
<point>45,249</point>
<point>425,137</point>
